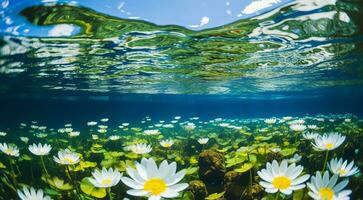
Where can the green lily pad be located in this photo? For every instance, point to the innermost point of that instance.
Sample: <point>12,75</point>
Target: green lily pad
<point>245,167</point>
<point>89,189</point>
<point>215,196</point>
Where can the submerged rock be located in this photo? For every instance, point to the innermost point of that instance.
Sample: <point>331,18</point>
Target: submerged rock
<point>235,183</point>
<point>198,189</point>
<point>211,167</point>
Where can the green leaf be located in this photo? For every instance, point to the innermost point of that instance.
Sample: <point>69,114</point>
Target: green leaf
<point>89,189</point>
<point>245,167</point>
<point>215,196</point>
<point>2,166</point>
<point>298,195</point>
<point>288,151</point>
<point>191,170</point>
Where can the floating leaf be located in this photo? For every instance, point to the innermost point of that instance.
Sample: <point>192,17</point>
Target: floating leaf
<point>288,151</point>
<point>89,189</point>
<point>57,183</point>
<point>25,157</point>
<point>84,165</point>
<point>193,160</point>
<point>215,196</point>
<point>245,167</point>
<point>262,138</point>
<point>2,166</point>
<point>191,170</point>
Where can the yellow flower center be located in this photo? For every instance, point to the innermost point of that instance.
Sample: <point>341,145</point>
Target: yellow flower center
<point>8,151</point>
<point>342,172</point>
<point>69,160</point>
<point>281,182</point>
<point>167,145</point>
<point>106,181</point>
<point>155,186</point>
<point>326,193</point>
<point>329,145</point>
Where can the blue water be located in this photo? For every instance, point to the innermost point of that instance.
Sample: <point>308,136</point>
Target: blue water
<point>225,68</point>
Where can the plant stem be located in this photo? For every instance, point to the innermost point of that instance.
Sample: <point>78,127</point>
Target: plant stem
<point>45,169</point>
<point>251,177</point>
<point>109,193</point>
<point>73,182</point>
<point>325,161</point>
<point>277,196</point>
<point>13,175</point>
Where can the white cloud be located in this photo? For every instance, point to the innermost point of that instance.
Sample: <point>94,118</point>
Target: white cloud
<point>61,30</point>
<point>258,5</point>
<point>203,21</point>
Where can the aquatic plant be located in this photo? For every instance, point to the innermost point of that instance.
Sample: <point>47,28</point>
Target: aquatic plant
<point>324,187</point>
<point>328,142</point>
<point>154,182</point>
<point>10,150</point>
<point>66,157</point>
<point>140,148</point>
<point>342,168</point>
<point>282,177</point>
<point>32,194</point>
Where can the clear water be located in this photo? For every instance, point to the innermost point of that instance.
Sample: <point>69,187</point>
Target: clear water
<point>233,71</point>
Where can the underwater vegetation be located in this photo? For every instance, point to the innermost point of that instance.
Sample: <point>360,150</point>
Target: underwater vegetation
<point>310,157</point>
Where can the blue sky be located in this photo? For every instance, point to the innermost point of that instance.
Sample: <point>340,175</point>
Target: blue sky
<point>192,14</point>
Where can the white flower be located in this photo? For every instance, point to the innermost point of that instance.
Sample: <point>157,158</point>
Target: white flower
<point>105,178</point>
<point>74,133</point>
<point>297,121</point>
<point>190,126</point>
<point>104,120</point>
<point>328,142</point>
<point>343,169</point>
<point>92,123</point>
<point>320,119</point>
<point>140,148</point>
<point>154,182</point>
<point>10,150</point>
<point>102,130</point>
<point>270,121</point>
<point>166,143</point>
<point>32,194</point>
<point>168,126</point>
<point>223,124</point>
<point>275,150</point>
<point>152,132</point>
<point>177,117</point>
<point>94,137</point>
<point>203,140</point>
<point>282,177</point>
<point>114,137</point>
<point>125,124</point>
<point>2,133</point>
<point>66,157</point>
<point>24,139</point>
<point>295,159</point>
<point>310,136</point>
<point>297,127</point>
<point>313,127</point>
<point>40,150</point>
<point>326,188</point>
<point>287,118</point>
<point>68,130</point>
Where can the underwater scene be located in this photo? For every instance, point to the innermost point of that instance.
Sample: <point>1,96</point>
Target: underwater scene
<point>183,99</point>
